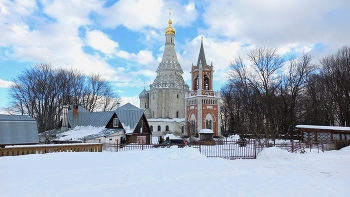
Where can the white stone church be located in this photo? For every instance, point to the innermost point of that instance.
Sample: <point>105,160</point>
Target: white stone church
<point>171,106</point>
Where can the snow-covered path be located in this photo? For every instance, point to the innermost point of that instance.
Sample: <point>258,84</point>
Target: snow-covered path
<point>176,172</point>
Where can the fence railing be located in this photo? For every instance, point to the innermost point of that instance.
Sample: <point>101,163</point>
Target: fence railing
<point>50,148</point>
<point>235,149</point>
<point>225,149</point>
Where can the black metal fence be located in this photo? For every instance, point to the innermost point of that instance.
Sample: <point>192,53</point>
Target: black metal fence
<point>235,149</point>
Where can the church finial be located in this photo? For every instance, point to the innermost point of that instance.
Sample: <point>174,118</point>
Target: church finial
<point>169,13</point>
<point>170,29</point>
<point>201,58</point>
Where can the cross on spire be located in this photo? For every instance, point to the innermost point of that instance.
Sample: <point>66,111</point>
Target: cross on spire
<point>169,13</point>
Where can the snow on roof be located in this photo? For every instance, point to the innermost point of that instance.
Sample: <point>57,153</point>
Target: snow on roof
<point>166,120</point>
<point>128,130</point>
<point>323,127</point>
<point>206,131</point>
<point>87,132</point>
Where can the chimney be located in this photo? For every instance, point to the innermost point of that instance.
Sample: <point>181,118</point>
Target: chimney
<point>64,126</point>
<point>75,110</point>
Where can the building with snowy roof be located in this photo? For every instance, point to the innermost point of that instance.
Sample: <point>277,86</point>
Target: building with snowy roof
<point>126,124</point>
<point>335,137</point>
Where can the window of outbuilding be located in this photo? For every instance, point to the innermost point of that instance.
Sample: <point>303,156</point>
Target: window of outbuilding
<point>115,122</point>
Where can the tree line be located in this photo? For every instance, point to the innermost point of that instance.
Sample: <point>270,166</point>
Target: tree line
<point>267,95</point>
<point>42,91</point>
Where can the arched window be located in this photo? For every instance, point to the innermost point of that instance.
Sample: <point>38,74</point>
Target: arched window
<point>159,128</point>
<point>206,82</point>
<point>151,128</point>
<point>208,124</point>
<point>167,128</point>
<point>196,81</point>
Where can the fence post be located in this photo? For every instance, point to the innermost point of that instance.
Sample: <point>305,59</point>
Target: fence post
<point>142,145</point>
<point>117,145</point>
<point>292,146</point>
<point>310,147</point>
<point>322,147</point>
<point>254,150</point>
<point>200,147</point>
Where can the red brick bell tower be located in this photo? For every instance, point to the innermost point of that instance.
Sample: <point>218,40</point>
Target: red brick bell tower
<point>202,103</point>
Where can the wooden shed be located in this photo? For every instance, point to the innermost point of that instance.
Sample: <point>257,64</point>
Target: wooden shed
<point>336,136</point>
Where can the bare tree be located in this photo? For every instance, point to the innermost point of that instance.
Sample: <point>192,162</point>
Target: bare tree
<point>336,70</point>
<point>291,92</point>
<point>42,91</point>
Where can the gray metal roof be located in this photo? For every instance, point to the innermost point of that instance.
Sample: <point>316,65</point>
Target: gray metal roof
<point>4,117</point>
<point>129,115</point>
<point>98,119</point>
<point>18,129</point>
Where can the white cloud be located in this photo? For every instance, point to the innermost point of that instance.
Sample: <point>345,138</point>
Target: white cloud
<point>273,23</point>
<point>130,99</point>
<point>100,41</point>
<point>138,14</point>
<point>5,84</point>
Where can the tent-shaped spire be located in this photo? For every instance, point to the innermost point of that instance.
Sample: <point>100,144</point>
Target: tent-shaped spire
<point>201,58</point>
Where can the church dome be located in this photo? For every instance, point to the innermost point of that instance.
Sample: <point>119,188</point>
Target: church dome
<point>143,94</point>
<point>170,29</point>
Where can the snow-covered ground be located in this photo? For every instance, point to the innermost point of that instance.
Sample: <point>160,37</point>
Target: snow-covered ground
<point>175,172</point>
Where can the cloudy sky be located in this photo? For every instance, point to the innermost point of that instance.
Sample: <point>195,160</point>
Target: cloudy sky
<point>124,40</point>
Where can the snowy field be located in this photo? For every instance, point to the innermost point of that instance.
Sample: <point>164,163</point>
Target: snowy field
<point>176,172</point>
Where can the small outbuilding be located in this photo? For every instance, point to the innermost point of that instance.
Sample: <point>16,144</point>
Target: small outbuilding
<point>127,124</point>
<point>206,134</point>
<point>335,136</point>
<point>18,130</point>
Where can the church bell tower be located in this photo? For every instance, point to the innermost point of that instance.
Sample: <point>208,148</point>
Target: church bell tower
<point>202,103</point>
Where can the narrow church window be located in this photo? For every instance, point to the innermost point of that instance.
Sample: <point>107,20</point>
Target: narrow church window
<point>151,128</point>
<point>177,96</point>
<point>208,124</point>
<point>167,128</point>
<point>159,128</point>
<point>206,82</point>
<point>193,127</point>
<point>177,114</point>
<point>196,83</point>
